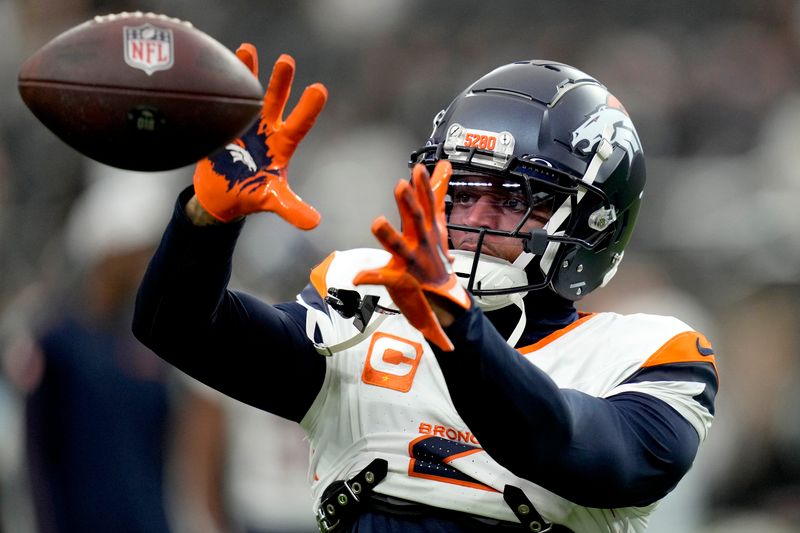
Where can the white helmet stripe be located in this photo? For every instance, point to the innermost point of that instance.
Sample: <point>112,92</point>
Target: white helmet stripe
<point>601,154</point>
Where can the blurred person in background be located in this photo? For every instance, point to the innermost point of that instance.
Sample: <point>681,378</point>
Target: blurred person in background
<point>762,471</point>
<point>114,442</point>
<point>98,404</point>
<point>235,468</point>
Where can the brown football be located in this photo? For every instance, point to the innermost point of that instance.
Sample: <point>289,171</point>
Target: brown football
<point>140,91</point>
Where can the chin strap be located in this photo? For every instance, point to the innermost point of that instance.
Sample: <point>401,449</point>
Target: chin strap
<point>517,299</point>
<point>350,304</point>
<point>494,273</point>
<point>329,350</point>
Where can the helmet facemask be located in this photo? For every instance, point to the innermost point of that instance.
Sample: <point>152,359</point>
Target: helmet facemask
<point>529,208</point>
<point>491,219</point>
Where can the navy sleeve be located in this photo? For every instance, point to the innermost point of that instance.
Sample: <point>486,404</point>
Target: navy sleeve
<point>231,341</point>
<point>627,450</point>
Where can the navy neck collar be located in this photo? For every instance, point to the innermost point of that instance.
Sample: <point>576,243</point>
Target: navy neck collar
<point>546,313</point>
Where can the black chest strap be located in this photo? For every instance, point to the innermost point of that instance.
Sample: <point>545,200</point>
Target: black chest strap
<point>342,500</point>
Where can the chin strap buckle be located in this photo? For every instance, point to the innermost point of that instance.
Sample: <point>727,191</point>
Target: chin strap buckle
<point>349,304</point>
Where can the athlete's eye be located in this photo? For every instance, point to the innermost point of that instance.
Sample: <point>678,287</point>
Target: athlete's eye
<point>464,198</point>
<point>516,205</point>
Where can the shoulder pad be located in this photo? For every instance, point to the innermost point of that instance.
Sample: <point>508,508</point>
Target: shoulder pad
<point>340,267</point>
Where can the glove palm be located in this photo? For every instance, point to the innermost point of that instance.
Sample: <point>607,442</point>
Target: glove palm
<point>420,266</point>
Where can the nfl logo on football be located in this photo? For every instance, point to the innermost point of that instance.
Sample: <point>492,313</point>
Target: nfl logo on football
<point>148,48</point>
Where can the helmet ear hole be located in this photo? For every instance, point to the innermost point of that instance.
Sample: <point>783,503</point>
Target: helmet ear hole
<point>564,266</point>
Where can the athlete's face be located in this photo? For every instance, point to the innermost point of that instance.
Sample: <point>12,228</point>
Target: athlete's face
<point>495,203</point>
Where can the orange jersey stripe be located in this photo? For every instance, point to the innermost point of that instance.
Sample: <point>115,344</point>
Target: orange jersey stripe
<point>555,335</point>
<point>686,347</point>
<point>462,454</point>
<point>319,273</point>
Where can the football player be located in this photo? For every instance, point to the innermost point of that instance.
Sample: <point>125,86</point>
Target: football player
<point>446,382</point>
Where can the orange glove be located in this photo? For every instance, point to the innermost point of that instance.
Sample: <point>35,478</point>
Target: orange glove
<point>420,264</point>
<point>249,175</point>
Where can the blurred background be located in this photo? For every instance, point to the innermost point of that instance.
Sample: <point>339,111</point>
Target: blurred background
<point>88,418</point>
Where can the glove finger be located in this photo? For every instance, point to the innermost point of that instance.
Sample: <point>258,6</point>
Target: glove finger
<point>434,333</point>
<point>305,113</point>
<point>376,276</point>
<point>248,55</point>
<point>369,277</point>
<point>424,194</point>
<point>280,85</point>
<point>440,179</point>
<point>439,183</point>
<point>283,144</point>
<point>282,200</point>
<point>391,239</point>
<point>411,216</point>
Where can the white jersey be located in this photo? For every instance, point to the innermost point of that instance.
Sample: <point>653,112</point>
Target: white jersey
<point>386,398</point>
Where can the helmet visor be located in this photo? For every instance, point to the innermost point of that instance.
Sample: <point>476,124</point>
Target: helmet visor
<point>506,209</point>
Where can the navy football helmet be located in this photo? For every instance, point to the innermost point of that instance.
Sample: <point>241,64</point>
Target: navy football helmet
<point>563,150</point>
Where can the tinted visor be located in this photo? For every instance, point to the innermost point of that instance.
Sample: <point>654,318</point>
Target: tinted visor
<point>498,203</point>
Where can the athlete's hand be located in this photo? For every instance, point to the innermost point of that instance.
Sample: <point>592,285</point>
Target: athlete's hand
<point>419,272</point>
<point>250,174</point>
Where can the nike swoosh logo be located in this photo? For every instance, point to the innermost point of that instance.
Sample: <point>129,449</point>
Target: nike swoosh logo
<point>704,350</point>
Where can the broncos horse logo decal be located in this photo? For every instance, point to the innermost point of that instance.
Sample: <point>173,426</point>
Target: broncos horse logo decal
<point>588,134</point>
<point>244,162</point>
<point>240,155</point>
